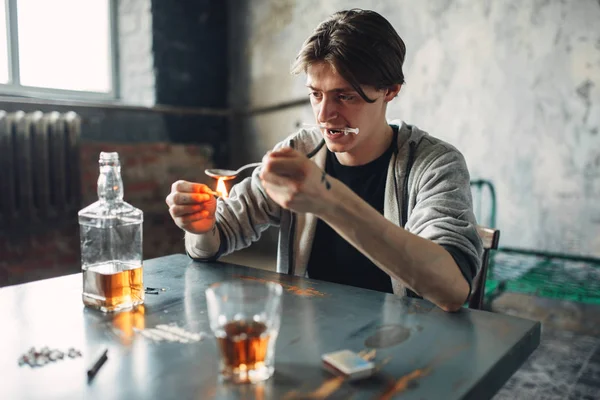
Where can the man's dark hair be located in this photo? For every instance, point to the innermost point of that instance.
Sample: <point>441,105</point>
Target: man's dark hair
<point>361,45</point>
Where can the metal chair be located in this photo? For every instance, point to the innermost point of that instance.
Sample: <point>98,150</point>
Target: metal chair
<point>490,238</point>
<point>484,202</point>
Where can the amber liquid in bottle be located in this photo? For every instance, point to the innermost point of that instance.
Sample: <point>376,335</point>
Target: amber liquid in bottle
<point>112,288</point>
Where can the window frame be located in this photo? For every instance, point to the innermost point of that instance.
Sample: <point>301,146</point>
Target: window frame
<point>14,87</point>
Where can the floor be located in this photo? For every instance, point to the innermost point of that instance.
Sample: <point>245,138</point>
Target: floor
<point>565,366</point>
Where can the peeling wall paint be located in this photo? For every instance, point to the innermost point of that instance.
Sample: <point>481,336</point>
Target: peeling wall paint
<point>514,85</point>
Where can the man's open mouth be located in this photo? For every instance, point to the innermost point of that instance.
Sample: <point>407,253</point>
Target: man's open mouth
<point>338,131</point>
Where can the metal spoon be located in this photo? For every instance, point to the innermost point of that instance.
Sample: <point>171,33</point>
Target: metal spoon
<point>227,174</point>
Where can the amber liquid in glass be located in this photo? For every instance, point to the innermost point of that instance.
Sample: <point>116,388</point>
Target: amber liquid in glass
<point>113,286</point>
<point>243,345</point>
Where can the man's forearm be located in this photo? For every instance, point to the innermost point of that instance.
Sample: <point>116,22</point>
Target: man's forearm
<point>422,265</point>
<point>204,245</point>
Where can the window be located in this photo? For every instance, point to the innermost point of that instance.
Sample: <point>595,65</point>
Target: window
<point>58,48</point>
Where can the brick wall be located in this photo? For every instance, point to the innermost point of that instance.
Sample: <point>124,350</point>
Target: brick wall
<point>172,53</point>
<point>136,58</point>
<point>191,69</point>
<point>148,170</point>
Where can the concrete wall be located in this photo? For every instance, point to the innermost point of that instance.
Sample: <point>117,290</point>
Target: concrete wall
<point>514,85</point>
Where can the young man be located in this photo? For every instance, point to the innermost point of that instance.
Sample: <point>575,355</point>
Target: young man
<point>388,208</point>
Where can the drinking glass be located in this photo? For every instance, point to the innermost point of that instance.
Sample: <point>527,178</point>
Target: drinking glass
<point>244,316</point>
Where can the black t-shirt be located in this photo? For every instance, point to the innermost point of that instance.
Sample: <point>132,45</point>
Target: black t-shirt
<point>332,258</point>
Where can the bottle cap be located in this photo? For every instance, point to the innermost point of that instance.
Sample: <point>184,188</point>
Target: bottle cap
<point>108,157</point>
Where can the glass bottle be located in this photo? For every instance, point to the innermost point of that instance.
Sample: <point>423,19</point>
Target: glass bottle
<point>111,244</point>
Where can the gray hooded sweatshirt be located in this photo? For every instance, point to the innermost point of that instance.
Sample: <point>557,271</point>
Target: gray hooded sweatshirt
<point>427,192</point>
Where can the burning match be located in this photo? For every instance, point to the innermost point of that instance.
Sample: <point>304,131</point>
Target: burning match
<point>221,189</point>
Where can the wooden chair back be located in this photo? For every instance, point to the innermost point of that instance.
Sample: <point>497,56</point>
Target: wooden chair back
<point>490,238</point>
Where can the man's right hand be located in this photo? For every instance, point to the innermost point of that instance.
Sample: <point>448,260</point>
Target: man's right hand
<point>192,207</point>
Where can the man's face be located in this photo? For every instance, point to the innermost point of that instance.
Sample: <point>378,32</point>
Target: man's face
<point>337,105</point>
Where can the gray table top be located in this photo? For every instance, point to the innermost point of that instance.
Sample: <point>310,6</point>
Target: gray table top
<point>422,352</point>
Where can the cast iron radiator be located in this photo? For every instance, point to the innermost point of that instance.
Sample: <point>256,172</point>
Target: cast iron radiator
<point>39,169</point>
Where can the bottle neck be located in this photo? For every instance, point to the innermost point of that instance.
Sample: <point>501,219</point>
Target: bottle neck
<point>110,184</point>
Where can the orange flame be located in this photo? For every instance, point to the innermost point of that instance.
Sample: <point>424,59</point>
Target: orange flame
<point>222,189</point>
